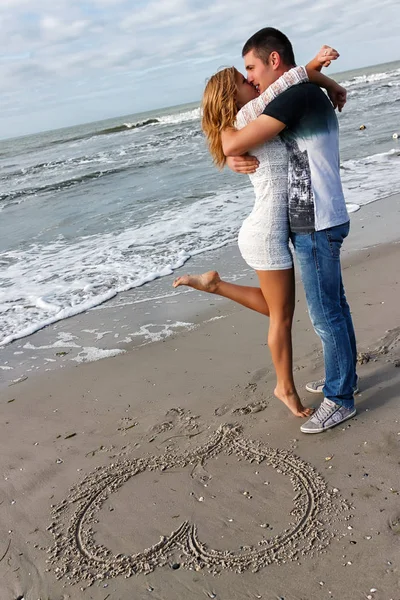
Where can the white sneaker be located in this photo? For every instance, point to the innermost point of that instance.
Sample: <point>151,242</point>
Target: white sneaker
<point>326,416</point>
<point>317,387</point>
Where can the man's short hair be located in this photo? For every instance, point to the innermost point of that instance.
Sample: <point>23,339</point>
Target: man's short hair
<point>269,40</point>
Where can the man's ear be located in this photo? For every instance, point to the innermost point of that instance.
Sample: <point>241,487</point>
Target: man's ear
<point>275,60</point>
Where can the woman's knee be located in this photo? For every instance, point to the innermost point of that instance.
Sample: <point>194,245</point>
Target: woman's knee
<point>283,317</point>
<point>279,330</point>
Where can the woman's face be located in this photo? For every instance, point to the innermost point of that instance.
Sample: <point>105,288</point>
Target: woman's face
<point>245,91</point>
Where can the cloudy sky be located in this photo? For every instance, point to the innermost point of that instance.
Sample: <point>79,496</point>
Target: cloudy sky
<point>64,62</point>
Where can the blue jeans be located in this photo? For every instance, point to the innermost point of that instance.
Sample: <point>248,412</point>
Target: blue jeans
<point>318,256</point>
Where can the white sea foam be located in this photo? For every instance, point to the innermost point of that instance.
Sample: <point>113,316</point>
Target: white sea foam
<point>63,279</point>
<point>368,179</point>
<point>65,340</point>
<point>48,306</point>
<point>154,332</point>
<point>352,208</point>
<point>371,78</point>
<point>22,317</point>
<point>93,354</point>
<point>190,115</point>
<point>215,318</point>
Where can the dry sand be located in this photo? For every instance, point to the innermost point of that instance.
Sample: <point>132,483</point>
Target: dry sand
<point>172,472</point>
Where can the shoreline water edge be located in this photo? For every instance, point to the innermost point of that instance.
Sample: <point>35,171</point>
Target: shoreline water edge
<point>133,320</point>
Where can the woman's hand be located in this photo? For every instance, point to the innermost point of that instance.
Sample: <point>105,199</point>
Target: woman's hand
<point>326,55</point>
<point>323,59</point>
<point>337,95</point>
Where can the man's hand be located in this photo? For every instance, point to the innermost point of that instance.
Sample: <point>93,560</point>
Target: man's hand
<point>326,55</point>
<point>337,95</point>
<point>245,164</point>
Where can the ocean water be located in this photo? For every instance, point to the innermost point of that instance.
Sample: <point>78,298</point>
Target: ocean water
<point>92,211</point>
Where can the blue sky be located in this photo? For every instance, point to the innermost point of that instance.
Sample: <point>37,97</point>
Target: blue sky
<point>74,61</point>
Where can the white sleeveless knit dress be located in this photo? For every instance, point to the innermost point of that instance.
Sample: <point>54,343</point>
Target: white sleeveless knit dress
<point>264,236</point>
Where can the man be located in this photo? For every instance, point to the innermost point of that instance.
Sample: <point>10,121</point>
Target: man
<point>319,222</point>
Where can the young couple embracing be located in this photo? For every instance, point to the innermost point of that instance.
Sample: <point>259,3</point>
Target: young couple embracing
<point>277,126</point>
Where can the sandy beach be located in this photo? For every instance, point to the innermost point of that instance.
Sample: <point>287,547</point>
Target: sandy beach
<point>172,472</point>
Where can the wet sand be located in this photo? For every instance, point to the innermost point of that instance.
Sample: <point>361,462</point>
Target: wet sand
<point>172,472</point>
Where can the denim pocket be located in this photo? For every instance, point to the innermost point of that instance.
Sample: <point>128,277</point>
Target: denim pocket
<point>335,237</point>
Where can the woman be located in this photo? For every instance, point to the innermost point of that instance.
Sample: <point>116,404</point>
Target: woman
<point>230,101</point>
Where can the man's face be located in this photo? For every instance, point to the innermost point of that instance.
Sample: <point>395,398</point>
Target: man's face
<point>258,73</point>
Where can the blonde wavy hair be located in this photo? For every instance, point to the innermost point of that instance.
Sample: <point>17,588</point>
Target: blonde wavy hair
<point>219,110</point>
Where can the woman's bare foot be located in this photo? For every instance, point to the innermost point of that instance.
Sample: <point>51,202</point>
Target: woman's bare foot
<point>207,282</point>
<point>293,403</point>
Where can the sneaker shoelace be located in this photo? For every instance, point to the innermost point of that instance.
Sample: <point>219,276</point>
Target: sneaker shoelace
<point>323,412</point>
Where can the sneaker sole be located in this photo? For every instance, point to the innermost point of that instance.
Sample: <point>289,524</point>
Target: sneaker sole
<point>314,391</point>
<point>330,426</point>
<point>321,390</point>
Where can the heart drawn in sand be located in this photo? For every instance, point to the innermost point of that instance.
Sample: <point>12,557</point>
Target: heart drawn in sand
<point>76,555</point>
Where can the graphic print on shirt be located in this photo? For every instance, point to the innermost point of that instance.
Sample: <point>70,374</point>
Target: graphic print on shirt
<point>301,198</point>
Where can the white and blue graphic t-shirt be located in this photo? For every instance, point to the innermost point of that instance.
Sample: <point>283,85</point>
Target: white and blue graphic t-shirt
<point>316,199</point>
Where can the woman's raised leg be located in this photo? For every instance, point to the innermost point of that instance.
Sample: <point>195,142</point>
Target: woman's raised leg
<point>279,293</point>
<point>250,297</point>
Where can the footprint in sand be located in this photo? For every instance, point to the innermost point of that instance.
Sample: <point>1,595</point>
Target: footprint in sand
<point>252,407</point>
<point>221,410</point>
<point>394,523</point>
<point>177,418</point>
<point>386,344</point>
<point>258,375</point>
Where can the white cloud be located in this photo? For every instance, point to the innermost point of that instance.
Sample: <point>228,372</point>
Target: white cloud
<point>54,30</point>
<point>155,52</point>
